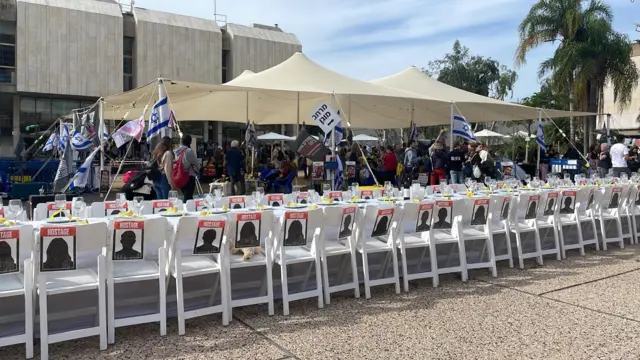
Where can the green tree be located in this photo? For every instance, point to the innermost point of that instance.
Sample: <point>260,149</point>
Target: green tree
<point>473,73</point>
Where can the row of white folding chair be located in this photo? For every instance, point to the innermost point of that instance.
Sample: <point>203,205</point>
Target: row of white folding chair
<point>609,209</point>
<point>433,189</point>
<point>149,207</point>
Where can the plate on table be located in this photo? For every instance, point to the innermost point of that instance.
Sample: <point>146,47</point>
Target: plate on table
<point>172,214</point>
<point>60,220</point>
<point>359,201</point>
<point>217,211</point>
<point>262,208</point>
<point>326,203</point>
<point>296,206</point>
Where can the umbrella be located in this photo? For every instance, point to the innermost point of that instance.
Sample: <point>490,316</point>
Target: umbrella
<point>275,137</point>
<point>363,137</point>
<point>488,134</point>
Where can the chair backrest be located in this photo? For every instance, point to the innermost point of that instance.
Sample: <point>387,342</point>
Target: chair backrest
<point>526,207</point>
<point>378,221</point>
<point>340,222</point>
<point>432,189</point>
<point>336,196</point>
<point>137,239</point>
<point>550,200</point>
<point>501,207</point>
<point>476,211</point>
<point>610,199</point>
<point>298,227</point>
<point>101,209</point>
<point>302,197</point>
<point>158,206</point>
<point>567,202</point>
<point>274,200</point>
<point>417,217</point>
<point>251,229</point>
<point>459,188</point>
<point>235,202</point>
<point>625,201</point>
<point>44,210</point>
<point>201,235</point>
<point>634,195</point>
<point>369,194</point>
<point>194,205</point>
<point>16,245</point>
<point>69,247</point>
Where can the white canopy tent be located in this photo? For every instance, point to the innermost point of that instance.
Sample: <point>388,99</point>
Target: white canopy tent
<point>364,137</point>
<point>275,137</point>
<point>474,107</point>
<point>522,134</point>
<point>486,133</point>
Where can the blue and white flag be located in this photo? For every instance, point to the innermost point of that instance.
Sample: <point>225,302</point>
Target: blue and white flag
<point>80,142</point>
<point>540,137</point>
<point>338,131</point>
<point>413,132</point>
<point>160,121</point>
<point>81,176</point>
<point>338,180</point>
<point>66,165</point>
<point>52,143</point>
<point>462,128</point>
<point>63,140</point>
<point>250,139</point>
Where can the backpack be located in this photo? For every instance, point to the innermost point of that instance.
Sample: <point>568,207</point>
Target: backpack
<point>179,175</point>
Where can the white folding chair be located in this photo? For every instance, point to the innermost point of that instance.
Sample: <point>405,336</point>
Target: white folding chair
<point>273,200</point>
<point>369,194</point>
<point>7,213</point>
<point>101,209</point>
<point>501,206</point>
<point>477,237</point>
<point>297,241</point>
<point>625,210</point>
<point>16,279</point>
<point>71,259</point>
<point>44,210</point>
<point>607,212</point>
<point>547,223</point>
<point>236,202</point>
<point>586,216</point>
<point>571,214</point>
<point>337,196</point>
<point>522,222</point>
<point>199,243</point>
<point>137,252</point>
<point>158,206</point>
<point>338,240</point>
<point>414,237</point>
<point>194,205</point>
<point>634,200</point>
<point>263,259</point>
<point>446,238</point>
<point>376,233</point>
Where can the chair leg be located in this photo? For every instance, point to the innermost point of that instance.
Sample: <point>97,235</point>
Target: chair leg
<point>405,279</point>
<point>604,234</point>
<point>435,279</point>
<point>507,236</point>
<point>580,237</point>
<point>180,305</point>
<point>464,274</point>
<point>111,316</point>
<point>224,298</point>
<point>619,224</point>
<point>492,256</point>
<point>102,302</point>
<point>563,250</point>
<point>595,232</point>
<point>396,274</point>
<point>285,288</point>
<point>28,321</point>
<point>319,282</point>
<point>44,321</point>
<point>163,303</point>
<point>519,248</point>
<point>325,281</point>
<point>557,242</point>
<point>365,271</point>
<point>269,289</point>
<point>539,259</point>
<point>354,275</point>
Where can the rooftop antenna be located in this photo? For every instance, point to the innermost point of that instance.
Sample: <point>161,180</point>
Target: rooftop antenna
<point>219,18</point>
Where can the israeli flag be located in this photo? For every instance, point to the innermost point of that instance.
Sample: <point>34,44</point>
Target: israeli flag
<point>64,137</point>
<point>52,143</point>
<point>413,132</point>
<point>160,122</point>
<point>81,176</point>
<point>338,180</point>
<point>540,137</point>
<point>250,139</point>
<point>462,128</point>
<point>80,142</point>
<point>338,130</point>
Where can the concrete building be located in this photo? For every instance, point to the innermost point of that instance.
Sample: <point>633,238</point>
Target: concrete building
<point>59,55</point>
<point>626,121</point>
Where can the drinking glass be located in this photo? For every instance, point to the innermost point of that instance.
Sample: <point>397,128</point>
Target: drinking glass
<point>326,188</point>
<point>217,195</point>
<point>15,208</point>
<point>210,200</point>
<point>121,199</point>
<point>255,198</point>
<point>527,178</point>
<point>173,198</point>
<point>78,208</point>
<point>137,204</point>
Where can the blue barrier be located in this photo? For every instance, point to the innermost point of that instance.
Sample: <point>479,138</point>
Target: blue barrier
<point>15,171</point>
<point>560,165</point>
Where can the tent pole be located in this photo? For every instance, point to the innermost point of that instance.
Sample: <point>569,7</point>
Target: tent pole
<point>298,115</point>
<point>333,144</point>
<point>538,162</point>
<point>451,126</point>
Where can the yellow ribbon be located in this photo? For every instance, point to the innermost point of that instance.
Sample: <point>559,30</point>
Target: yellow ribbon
<point>55,214</point>
<point>6,222</point>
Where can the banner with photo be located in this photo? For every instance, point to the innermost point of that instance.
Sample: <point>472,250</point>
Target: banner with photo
<point>57,248</point>
<point>295,228</point>
<point>128,240</point>
<point>209,237</point>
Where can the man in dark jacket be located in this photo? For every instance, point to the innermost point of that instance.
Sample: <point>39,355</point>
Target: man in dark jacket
<point>456,162</point>
<point>439,160</point>
<point>235,168</point>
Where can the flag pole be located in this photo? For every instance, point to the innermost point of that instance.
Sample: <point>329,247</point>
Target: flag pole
<point>102,131</point>
<point>451,125</point>
<point>333,144</point>
<point>538,128</point>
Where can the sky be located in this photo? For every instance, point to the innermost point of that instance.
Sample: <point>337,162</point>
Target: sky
<point>370,39</point>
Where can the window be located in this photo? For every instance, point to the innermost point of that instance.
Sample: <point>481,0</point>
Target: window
<point>7,50</point>
<point>127,63</point>
<point>225,59</point>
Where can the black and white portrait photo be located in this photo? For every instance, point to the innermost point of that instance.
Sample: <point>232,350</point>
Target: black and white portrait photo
<point>615,198</point>
<point>248,230</point>
<point>9,251</point>
<point>209,237</point>
<point>552,201</point>
<point>295,228</point>
<point>160,206</point>
<point>275,200</point>
<point>236,202</point>
<point>302,197</point>
<point>637,202</point>
<point>423,221</point>
<point>128,240</point>
<point>113,208</point>
<point>346,224</point>
<point>335,195</point>
<point>532,207</point>
<point>383,222</point>
<point>480,209</point>
<point>568,202</point>
<point>590,201</point>
<point>366,194</point>
<point>57,248</point>
<point>52,209</point>
<point>504,214</point>
<point>443,213</point>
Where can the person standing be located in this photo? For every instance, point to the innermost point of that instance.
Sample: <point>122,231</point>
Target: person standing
<point>235,168</point>
<point>390,164</point>
<point>277,156</point>
<point>604,163</point>
<point>619,156</point>
<point>409,164</point>
<point>189,164</point>
<point>162,161</point>
<point>456,162</point>
<point>439,160</point>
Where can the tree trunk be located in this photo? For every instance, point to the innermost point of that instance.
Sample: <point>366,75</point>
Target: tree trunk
<point>572,130</point>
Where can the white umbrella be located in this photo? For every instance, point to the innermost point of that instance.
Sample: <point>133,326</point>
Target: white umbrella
<point>488,134</point>
<point>522,134</point>
<point>275,137</point>
<point>363,137</point>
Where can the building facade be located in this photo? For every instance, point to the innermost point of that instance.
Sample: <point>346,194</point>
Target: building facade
<point>627,120</point>
<point>60,55</point>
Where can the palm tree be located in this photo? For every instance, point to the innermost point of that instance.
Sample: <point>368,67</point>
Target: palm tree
<point>563,21</point>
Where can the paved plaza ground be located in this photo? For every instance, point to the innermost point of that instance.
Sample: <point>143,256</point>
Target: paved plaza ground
<point>579,308</point>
